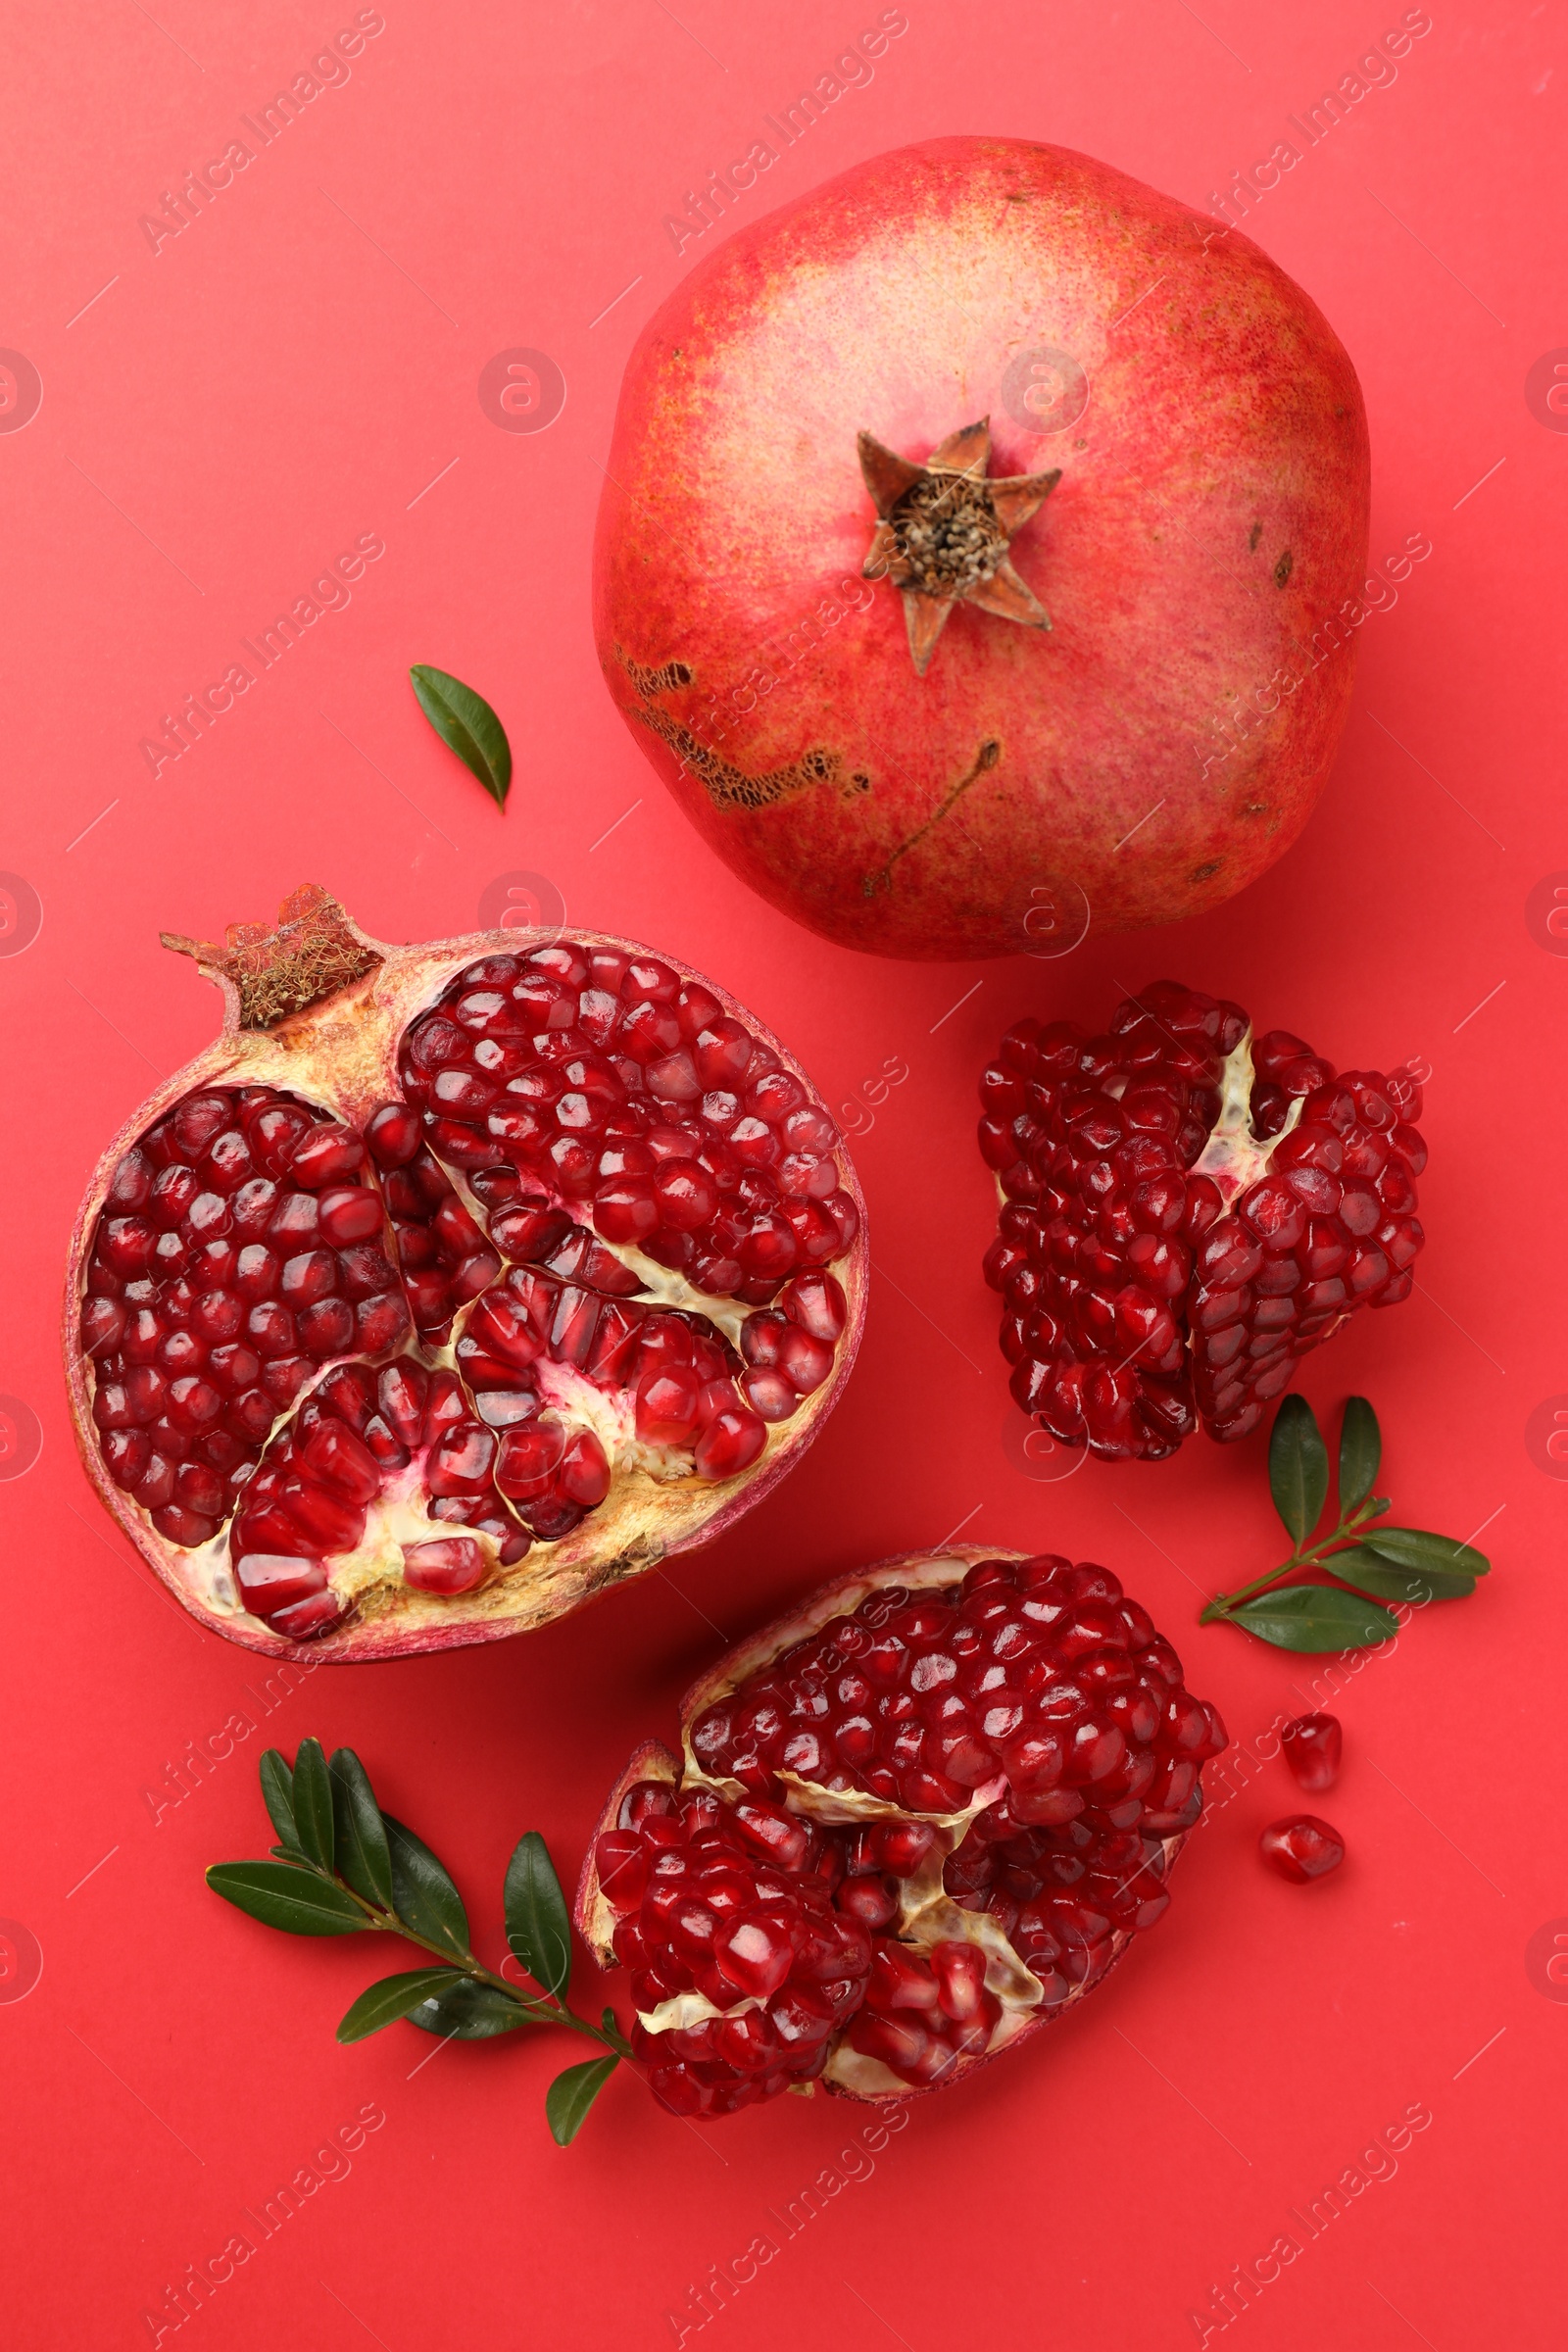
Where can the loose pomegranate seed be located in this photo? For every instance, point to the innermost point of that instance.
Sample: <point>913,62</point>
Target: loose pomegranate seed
<point>1312,1745</point>
<point>1302,1848</point>
<point>1187,1210</point>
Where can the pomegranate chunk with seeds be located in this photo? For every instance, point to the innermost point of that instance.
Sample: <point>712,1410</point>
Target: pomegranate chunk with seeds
<point>421,1306</point>
<point>987,1764</point>
<point>1187,1210</point>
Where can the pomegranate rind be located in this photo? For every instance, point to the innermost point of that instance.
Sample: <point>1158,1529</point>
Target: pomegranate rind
<point>592,1916</point>
<point>927,1914</point>
<point>341,1054</point>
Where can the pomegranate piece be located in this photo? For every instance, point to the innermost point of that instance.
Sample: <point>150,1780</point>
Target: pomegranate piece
<point>1302,1848</point>
<point>1312,1745</point>
<point>742,1969</point>
<point>941,455</point>
<point>368,1349</point>
<point>1186,1211</point>
<point>1021,1763</point>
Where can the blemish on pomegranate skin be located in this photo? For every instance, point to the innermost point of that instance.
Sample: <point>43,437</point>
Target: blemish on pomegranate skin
<point>985,760</point>
<point>1206,871</point>
<point>1282,569</point>
<point>1252,538</point>
<point>727,786</point>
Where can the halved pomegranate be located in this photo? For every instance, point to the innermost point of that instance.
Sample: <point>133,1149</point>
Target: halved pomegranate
<point>913,1820</point>
<point>454,1283</point>
<point>1187,1210</point>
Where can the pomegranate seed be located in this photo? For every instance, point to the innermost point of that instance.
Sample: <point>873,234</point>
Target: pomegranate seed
<point>269,1581</point>
<point>730,1443</point>
<point>1312,1745</point>
<point>1302,1848</point>
<point>450,1564</point>
<point>584,1474</point>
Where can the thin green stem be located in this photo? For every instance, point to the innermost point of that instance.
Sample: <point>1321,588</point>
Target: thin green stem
<point>1310,1555</point>
<point>550,2010</point>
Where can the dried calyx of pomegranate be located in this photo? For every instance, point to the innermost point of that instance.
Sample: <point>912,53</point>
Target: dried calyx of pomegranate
<point>910,1822</point>
<point>454,1283</point>
<point>1187,1209</point>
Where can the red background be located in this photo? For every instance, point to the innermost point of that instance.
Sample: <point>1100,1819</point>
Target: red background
<point>294,369</point>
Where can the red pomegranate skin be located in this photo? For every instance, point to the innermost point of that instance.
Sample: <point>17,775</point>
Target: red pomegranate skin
<point>1201,556</point>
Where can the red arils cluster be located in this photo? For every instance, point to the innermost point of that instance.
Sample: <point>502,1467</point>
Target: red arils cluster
<point>592,1244</point>
<point>1036,1760</point>
<point>619,1086</point>
<point>923,2013</point>
<point>733,1904</point>
<point>1035,1680</point>
<point>1061,1895</point>
<point>239,1248</point>
<point>1188,1210</point>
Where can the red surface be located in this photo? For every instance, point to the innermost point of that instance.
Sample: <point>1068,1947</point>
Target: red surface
<point>293,371</point>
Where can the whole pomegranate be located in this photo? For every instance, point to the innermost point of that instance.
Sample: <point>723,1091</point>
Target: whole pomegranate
<point>979,551</point>
<point>1187,1210</point>
<point>454,1284</point>
<point>913,1820</point>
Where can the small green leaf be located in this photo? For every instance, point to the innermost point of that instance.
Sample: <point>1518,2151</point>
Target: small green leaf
<point>422,1894</point>
<point>1360,1452</point>
<point>465,722</point>
<point>384,2003</point>
<point>1297,1468</point>
<point>283,1895</point>
<point>1314,1617</point>
<point>571,2094</point>
<point>277,1794</point>
<point>1368,1574</point>
<point>312,1803</point>
<point>538,1928</point>
<point>1432,1555</point>
<point>363,1854</point>
<point>467,2010</point>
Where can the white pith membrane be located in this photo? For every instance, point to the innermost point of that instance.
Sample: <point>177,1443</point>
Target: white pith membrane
<point>927,1914</point>
<point>1234,1157</point>
<point>340,1058</point>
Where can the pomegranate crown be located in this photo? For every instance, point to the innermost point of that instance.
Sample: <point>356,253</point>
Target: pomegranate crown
<point>312,950</point>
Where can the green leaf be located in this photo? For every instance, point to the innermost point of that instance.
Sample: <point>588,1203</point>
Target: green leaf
<point>538,1927</point>
<point>384,2003</point>
<point>422,1894</point>
<point>571,2094</point>
<point>362,1855</point>
<point>1384,1582</point>
<point>283,1895</point>
<point>277,1794</point>
<point>467,2010</point>
<point>312,1803</point>
<point>465,722</point>
<point>1314,1617</point>
<point>1432,1555</point>
<point>1297,1468</point>
<point>1360,1452</point>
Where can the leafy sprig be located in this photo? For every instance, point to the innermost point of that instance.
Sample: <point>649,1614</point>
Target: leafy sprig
<point>1379,1564</point>
<point>342,1866</point>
